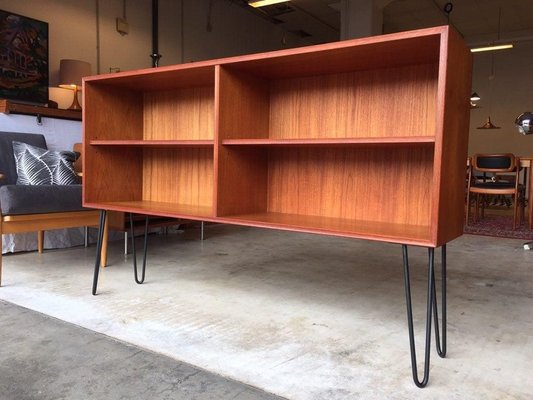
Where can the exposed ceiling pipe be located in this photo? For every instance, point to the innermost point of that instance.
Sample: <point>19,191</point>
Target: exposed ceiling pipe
<point>155,34</point>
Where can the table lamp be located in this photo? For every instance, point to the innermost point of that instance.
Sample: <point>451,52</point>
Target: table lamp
<point>70,74</point>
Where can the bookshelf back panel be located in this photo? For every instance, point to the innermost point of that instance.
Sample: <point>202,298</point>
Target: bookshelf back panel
<point>179,114</point>
<point>112,174</point>
<point>378,103</point>
<point>181,176</point>
<point>352,183</point>
<point>118,116</point>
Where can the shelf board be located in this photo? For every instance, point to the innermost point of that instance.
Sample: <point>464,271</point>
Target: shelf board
<point>172,210</point>
<point>8,107</point>
<point>154,143</point>
<point>381,231</point>
<point>407,140</point>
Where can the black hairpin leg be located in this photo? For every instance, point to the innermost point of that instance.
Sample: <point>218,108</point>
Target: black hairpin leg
<point>99,249</point>
<point>431,308</point>
<point>133,251</point>
<point>441,344</point>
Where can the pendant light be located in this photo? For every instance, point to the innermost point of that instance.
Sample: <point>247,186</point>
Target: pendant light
<point>488,123</point>
<point>474,98</point>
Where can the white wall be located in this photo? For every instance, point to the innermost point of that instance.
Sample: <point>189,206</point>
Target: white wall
<point>73,33</point>
<point>182,38</point>
<point>59,134</point>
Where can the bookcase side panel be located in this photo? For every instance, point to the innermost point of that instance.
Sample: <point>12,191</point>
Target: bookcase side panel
<point>374,103</point>
<point>179,176</point>
<point>451,147</point>
<point>184,113</point>
<point>378,185</point>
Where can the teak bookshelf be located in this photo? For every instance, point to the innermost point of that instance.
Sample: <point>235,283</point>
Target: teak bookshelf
<point>363,138</point>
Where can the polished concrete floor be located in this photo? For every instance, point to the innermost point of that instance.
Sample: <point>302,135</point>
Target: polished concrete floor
<point>47,359</point>
<point>301,316</point>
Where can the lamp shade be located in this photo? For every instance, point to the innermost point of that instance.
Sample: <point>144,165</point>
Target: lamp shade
<point>71,72</point>
<point>524,123</point>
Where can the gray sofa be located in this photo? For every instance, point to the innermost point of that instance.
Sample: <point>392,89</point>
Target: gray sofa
<point>37,208</point>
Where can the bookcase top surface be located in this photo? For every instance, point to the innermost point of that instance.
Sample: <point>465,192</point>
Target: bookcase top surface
<point>404,48</point>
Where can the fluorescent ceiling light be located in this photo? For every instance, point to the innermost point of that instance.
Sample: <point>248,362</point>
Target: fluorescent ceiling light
<point>262,3</point>
<point>490,48</point>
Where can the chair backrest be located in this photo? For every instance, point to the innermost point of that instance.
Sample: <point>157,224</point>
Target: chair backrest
<point>7,160</point>
<point>494,162</point>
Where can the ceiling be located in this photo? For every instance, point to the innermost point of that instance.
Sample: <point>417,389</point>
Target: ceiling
<point>476,20</point>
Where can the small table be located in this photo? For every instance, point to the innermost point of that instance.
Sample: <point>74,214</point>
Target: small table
<point>526,163</point>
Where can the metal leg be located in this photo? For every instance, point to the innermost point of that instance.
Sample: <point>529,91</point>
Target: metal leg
<point>430,297</point>
<point>202,231</point>
<point>133,251</point>
<point>99,249</point>
<point>86,236</point>
<point>441,344</point>
<point>125,243</point>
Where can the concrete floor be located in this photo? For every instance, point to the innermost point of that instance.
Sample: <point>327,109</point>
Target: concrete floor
<point>301,316</point>
<point>48,359</point>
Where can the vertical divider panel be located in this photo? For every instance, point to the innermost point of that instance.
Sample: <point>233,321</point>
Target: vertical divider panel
<point>243,112</point>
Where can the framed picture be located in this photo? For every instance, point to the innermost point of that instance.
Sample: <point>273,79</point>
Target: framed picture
<point>23,58</point>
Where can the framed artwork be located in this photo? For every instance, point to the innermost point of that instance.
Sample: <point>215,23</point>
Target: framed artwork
<point>23,58</point>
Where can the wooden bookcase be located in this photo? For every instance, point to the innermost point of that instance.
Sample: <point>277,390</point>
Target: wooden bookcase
<point>363,138</point>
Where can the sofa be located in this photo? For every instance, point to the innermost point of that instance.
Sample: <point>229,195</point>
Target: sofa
<point>38,207</point>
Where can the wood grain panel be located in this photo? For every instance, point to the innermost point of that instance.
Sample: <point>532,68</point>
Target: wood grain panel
<point>33,222</point>
<point>162,78</point>
<point>384,231</point>
<point>111,113</point>
<point>180,176</point>
<point>328,142</point>
<point>242,184</point>
<point>112,174</point>
<point>162,209</point>
<point>378,103</point>
<point>383,51</point>
<point>9,107</point>
<point>243,105</point>
<point>455,82</point>
<point>154,143</point>
<point>179,114</point>
<point>354,184</point>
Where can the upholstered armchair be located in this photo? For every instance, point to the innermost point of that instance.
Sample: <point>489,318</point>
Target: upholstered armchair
<point>29,206</point>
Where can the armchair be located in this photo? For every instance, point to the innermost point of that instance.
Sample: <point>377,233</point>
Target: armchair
<point>502,183</point>
<point>37,208</point>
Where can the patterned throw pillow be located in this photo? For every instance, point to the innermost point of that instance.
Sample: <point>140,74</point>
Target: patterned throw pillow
<point>36,166</point>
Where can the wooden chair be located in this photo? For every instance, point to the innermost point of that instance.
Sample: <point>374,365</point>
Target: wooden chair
<point>505,169</point>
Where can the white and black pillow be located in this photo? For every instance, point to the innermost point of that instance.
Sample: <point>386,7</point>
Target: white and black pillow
<point>36,166</point>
